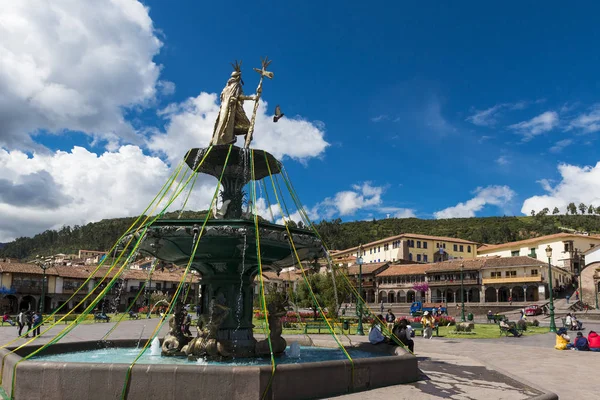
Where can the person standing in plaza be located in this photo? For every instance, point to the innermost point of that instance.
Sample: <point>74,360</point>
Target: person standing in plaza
<point>381,307</point>
<point>428,322</point>
<point>29,321</point>
<point>37,322</point>
<point>389,319</point>
<point>21,321</point>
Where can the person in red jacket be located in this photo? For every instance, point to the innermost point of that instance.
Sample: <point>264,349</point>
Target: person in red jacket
<point>594,341</point>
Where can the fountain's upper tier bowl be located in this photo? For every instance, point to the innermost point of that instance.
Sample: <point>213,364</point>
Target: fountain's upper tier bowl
<point>212,159</point>
<point>226,244</point>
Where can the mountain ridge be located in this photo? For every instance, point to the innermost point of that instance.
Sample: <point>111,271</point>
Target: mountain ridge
<point>336,234</point>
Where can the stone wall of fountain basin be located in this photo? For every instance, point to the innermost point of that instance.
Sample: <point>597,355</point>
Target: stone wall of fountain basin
<point>75,381</point>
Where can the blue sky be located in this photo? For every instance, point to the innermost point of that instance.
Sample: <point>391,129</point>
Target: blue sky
<point>435,110</point>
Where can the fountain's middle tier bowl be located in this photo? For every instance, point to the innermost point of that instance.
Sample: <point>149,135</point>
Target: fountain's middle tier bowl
<point>226,244</point>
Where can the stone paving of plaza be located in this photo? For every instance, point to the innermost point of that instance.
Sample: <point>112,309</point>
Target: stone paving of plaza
<point>451,368</point>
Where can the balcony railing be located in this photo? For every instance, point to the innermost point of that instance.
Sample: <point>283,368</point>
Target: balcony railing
<point>520,279</point>
<point>71,289</point>
<point>454,282</point>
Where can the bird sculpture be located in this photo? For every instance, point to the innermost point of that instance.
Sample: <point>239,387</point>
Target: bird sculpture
<point>278,114</point>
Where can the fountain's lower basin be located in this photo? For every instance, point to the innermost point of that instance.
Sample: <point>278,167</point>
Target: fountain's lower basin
<point>36,379</point>
<point>119,355</point>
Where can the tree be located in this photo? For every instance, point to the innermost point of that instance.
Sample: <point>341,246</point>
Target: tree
<point>582,208</point>
<point>324,291</point>
<point>555,211</point>
<point>533,213</point>
<point>572,209</point>
<point>598,210</point>
<point>591,209</point>
<point>544,212</point>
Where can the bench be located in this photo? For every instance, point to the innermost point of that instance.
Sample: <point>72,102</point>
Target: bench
<point>315,325</point>
<point>495,318</point>
<point>67,318</point>
<point>417,326</point>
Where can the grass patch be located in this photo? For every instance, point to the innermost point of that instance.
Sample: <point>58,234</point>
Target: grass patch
<point>487,331</point>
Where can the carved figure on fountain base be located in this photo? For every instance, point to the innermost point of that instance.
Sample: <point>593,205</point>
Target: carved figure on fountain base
<point>206,344</point>
<point>175,340</point>
<point>276,310</point>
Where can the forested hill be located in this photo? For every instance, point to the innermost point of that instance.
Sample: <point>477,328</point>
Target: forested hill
<point>493,230</point>
<point>337,234</point>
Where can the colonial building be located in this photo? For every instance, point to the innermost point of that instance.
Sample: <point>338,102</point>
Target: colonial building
<point>521,278</point>
<point>401,283</point>
<point>567,249</point>
<point>21,286</point>
<point>484,280</point>
<point>369,281</point>
<point>590,277</point>
<point>413,248</point>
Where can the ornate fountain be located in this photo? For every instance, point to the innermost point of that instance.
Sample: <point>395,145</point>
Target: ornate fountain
<point>226,256</point>
<point>228,251</point>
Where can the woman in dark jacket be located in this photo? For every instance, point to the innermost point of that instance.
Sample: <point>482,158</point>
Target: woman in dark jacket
<point>402,334</point>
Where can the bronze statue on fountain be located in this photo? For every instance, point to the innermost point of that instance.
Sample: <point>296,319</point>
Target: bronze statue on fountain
<point>226,257</point>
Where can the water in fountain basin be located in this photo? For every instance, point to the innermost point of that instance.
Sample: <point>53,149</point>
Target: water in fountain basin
<point>155,349</point>
<point>115,355</point>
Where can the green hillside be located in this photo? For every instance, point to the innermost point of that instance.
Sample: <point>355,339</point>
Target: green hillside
<point>337,234</point>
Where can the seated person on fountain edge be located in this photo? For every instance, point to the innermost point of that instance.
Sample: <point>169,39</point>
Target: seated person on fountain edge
<point>375,334</point>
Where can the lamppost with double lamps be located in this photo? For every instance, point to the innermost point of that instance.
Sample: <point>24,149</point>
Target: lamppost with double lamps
<point>44,264</point>
<point>462,292</point>
<point>549,255</point>
<point>359,261</point>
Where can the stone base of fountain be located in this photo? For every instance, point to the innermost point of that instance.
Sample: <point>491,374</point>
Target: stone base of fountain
<point>94,381</point>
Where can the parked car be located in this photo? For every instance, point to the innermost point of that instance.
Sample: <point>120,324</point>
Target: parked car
<point>533,310</point>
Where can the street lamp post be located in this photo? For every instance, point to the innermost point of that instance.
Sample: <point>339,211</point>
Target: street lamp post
<point>462,292</point>
<point>552,322</point>
<point>44,265</point>
<point>596,287</point>
<point>359,261</point>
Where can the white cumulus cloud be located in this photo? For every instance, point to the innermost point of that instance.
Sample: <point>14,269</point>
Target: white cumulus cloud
<point>537,125</point>
<point>491,195</point>
<point>83,187</point>
<point>74,65</point>
<point>577,185</point>
<point>191,124</point>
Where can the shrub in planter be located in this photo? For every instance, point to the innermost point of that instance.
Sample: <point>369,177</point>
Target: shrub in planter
<point>535,322</point>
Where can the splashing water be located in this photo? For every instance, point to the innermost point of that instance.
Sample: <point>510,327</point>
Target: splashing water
<point>155,349</point>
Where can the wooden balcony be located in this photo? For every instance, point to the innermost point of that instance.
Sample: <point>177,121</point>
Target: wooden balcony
<point>516,280</point>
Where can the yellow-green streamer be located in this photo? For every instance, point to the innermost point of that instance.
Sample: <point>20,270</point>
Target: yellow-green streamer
<point>260,274</point>
<point>84,284</point>
<point>331,330</point>
<point>179,287</point>
<point>309,223</point>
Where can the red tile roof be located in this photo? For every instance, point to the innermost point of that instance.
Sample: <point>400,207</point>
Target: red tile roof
<point>405,269</point>
<point>368,268</point>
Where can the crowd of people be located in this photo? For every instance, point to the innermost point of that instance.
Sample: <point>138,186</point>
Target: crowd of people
<point>399,329</point>
<point>581,343</point>
<point>29,319</point>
